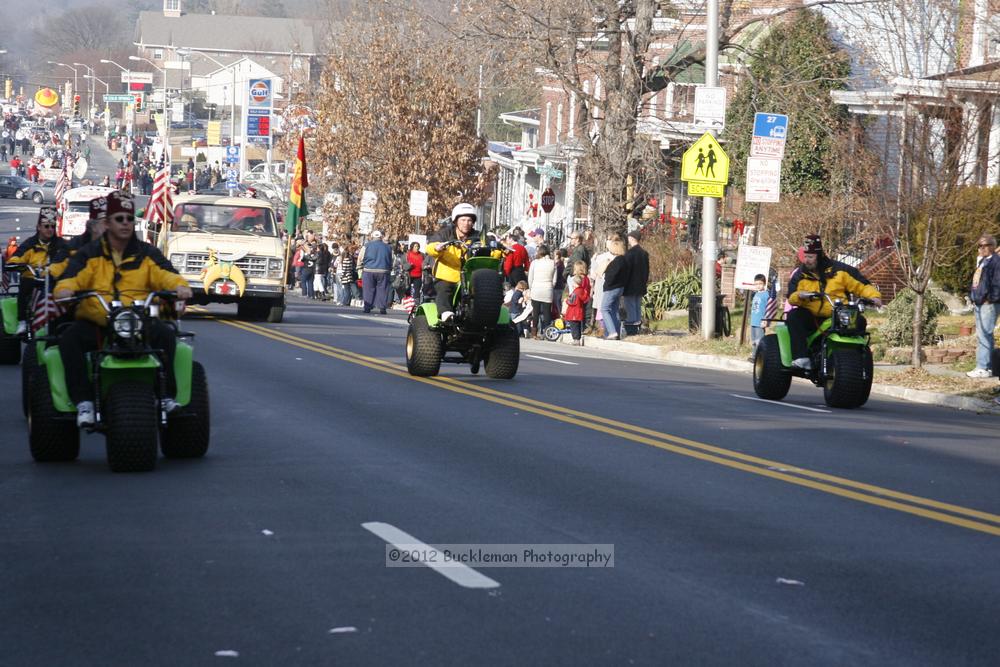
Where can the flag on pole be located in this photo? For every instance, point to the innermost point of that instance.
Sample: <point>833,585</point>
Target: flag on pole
<point>297,208</point>
<point>161,204</point>
<point>44,309</point>
<point>62,184</point>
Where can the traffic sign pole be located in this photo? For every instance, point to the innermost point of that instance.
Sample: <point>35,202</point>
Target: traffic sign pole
<point>708,211</point>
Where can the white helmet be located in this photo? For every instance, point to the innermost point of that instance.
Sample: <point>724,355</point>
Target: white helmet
<point>463,209</point>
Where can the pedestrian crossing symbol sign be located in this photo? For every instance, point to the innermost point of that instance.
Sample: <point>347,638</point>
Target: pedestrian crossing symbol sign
<point>705,162</point>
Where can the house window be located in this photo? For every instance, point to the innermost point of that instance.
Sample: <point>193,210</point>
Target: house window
<point>157,54</point>
<point>171,5</point>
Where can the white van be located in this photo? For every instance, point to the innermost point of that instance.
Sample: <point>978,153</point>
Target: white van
<point>76,209</point>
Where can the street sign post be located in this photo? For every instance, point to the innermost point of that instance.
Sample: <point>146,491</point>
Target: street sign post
<point>769,133</point>
<point>118,97</point>
<point>763,180</point>
<point>232,154</point>
<point>418,203</point>
<point>751,260</point>
<point>548,200</point>
<point>710,107</point>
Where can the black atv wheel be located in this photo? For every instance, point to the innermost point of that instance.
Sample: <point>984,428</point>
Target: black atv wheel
<point>869,368</point>
<point>770,380</point>
<point>487,298</point>
<point>52,436</point>
<point>504,354</point>
<point>845,383</point>
<point>10,350</point>
<point>28,364</point>
<point>187,432</point>
<point>424,349</point>
<point>132,416</point>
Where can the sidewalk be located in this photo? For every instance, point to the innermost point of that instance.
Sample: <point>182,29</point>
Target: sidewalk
<point>733,364</point>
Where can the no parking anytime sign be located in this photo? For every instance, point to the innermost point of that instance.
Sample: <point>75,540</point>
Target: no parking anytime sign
<point>750,261</point>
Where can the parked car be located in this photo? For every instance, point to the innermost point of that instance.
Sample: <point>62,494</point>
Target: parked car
<point>42,193</point>
<point>14,186</point>
<point>189,122</point>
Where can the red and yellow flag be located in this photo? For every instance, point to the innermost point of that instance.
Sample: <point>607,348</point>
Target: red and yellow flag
<point>297,208</point>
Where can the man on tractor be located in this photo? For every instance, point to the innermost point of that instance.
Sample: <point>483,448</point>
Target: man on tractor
<point>448,259</point>
<point>120,267</point>
<point>824,276</point>
<point>37,251</point>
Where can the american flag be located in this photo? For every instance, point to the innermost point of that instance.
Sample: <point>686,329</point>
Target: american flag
<point>161,203</point>
<point>44,308</point>
<point>771,309</point>
<point>63,183</point>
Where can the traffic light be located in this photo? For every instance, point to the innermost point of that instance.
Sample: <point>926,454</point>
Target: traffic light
<point>76,105</point>
<point>8,89</point>
<point>138,102</point>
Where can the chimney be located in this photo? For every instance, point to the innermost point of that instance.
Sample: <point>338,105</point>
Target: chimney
<point>172,8</point>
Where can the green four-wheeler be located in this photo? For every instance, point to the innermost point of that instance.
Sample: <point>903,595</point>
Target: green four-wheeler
<point>129,383</point>
<point>480,332</point>
<point>839,351</point>
<point>10,342</point>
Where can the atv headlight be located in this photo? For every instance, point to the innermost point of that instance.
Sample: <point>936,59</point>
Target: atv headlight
<point>847,319</point>
<point>127,324</point>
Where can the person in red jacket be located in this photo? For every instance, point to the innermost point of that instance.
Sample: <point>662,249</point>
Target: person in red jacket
<point>515,264</point>
<point>415,260</point>
<point>575,304</point>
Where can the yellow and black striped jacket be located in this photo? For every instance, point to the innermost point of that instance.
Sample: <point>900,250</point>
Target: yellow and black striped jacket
<point>143,269</point>
<point>37,253</point>
<point>829,277</point>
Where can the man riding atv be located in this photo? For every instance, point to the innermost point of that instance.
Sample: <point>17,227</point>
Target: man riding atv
<point>119,266</point>
<point>448,264</point>
<point>37,251</point>
<point>822,275</point>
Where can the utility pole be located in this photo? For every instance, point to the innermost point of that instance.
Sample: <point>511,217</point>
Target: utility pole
<point>709,249</point>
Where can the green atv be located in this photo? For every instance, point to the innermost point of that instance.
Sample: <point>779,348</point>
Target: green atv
<point>129,381</point>
<point>480,331</point>
<point>10,342</point>
<point>839,351</point>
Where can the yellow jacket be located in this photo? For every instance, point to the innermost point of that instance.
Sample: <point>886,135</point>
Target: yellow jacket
<point>143,269</point>
<point>57,268</point>
<point>833,278</point>
<point>448,264</point>
<point>36,253</point>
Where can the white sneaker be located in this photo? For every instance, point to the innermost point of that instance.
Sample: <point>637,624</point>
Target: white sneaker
<point>85,414</point>
<point>22,328</point>
<point>168,405</point>
<point>805,363</point>
<point>979,373</point>
<point>447,315</point>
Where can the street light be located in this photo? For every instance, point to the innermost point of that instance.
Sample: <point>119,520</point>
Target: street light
<point>232,108</point>
<point>50,62</point>
<point>107,91</point>
<point>166,119</point>
<point>128,78</point>
<point>90,91</point>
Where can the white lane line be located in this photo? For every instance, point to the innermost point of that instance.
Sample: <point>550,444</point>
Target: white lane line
<point>461,574</point>
<point>787,405</point>
<point>348,317</point>
<point>555,361</point>
<point>380,319</point>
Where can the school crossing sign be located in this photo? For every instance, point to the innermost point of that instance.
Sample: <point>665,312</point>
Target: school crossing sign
<point>705,168</point>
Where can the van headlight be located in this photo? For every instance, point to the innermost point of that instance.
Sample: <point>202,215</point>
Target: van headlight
<point>178,259</point>
<point>127,324</point>
<point>274,268</point>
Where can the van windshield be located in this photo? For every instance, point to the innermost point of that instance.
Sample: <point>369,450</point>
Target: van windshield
<point>221,219</point>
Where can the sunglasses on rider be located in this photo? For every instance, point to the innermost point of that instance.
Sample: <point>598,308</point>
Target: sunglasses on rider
<point>122,218</point>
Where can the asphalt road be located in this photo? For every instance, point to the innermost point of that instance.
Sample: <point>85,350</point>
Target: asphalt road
<point>743,532</point>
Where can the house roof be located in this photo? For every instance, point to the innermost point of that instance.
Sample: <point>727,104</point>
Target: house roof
<point>217,32</point>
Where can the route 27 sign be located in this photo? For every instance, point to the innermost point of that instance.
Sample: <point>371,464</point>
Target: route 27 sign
<point>769,133</point>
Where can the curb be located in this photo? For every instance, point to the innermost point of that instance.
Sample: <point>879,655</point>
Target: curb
<point>720,363</point>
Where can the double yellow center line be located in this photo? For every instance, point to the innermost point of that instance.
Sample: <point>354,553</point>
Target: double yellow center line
<point>927,508</point>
